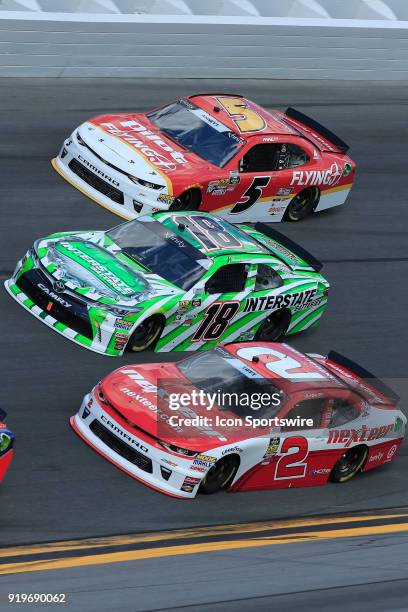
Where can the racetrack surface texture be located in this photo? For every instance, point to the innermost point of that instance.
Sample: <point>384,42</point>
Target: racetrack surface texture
<point>58,487</point>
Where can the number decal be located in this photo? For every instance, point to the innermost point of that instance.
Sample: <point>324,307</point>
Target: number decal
<point>245,118</point>
<point>216,320</point>
<point>282,365</point>
<point>209,232</point>
<point>252,194</point>
<point>291,462</point>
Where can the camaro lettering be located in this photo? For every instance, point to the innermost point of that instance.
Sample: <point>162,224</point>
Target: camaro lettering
<point>124,434</point>
<point>97,171</point>
<point>54,296</point>
<point>272,302</point>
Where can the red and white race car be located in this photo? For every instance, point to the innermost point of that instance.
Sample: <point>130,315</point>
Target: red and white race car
<point>219,153</point>
<point>6,446</point>
<point>327,420</point>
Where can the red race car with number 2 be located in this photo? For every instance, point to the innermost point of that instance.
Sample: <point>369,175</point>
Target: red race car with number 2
<point>218,153</point>
<point>329,419</point>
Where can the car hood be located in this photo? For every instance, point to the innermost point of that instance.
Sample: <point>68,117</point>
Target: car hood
<point>135,145</point>
<point>81,263</point>
<point>137,393</point>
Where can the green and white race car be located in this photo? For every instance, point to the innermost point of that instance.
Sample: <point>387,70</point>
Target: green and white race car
<point>170,282</point>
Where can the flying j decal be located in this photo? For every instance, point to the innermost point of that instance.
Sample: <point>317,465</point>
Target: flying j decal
<point>330,177</point>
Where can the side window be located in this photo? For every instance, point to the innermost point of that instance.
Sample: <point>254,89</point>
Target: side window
<point>341,412</point>
<point>228,279</point>
<point>267,278</point>
<point>291,156</point>
<point>306,409</point>
<point>261,158</point>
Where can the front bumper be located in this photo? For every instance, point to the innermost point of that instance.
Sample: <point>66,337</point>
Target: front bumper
<point>75,323</point>
<point>131,453</point>
<point>83,169</point>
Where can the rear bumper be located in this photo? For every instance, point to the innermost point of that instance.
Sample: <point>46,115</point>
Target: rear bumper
<point>98,429</point>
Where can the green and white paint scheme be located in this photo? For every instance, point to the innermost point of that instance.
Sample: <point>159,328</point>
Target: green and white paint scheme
<point>204,280</point>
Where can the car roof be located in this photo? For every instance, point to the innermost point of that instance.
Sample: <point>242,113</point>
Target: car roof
<point>274,120</point>
<point>244,243</point>
<point>324,378</point>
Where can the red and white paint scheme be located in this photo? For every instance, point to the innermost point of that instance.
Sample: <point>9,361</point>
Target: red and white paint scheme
<point>219,153</point>
<point>6,446</point>
<point>129,419</point>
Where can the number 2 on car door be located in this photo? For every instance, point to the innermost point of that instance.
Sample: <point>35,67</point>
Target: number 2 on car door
<point>291,461</point>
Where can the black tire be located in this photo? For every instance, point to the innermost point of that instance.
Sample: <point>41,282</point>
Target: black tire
<point>302,204</point>
<point>189,200</point>
<point>146,335</point>
<point>220,475</point>
<point>349,464</point>
<point>274,327</point>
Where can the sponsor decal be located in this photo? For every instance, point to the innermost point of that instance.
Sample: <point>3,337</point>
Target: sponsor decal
<point>392,452</point>
<point>273,446</point>
<point>221,186</point>
<point>377,457</point>
<point>54,296</point>
<point>270,139</point>
<point>164,198</point>
<point>365,434</point>
<point>99,269</point>
<point>123,434</point>
<point>163,460</point>
<point>319,471</point>
<point>98,171</point>
<point>347,169</point>
<point>284,191</point>
<point>315,154</point>
<point>275,210</point>
<point>233,449</point>
<point>120,341</point>
<point>331,176</point>
<point>139,379</point>
<point>132,130</point>
<point>196,302</point>
<point>198,468</point>
<point>189,483</point>
<point>297,301</point>
<point>184,304</point>
<point>398,425</point>
<point>207,458</point>
<point>122,324</point>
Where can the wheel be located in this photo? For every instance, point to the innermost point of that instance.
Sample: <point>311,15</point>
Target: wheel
<point>220,475</point>
<point>189,200</point>
<point>146,335</point>
<point>302,204</point>
<point>274,327</point>
<point>349,464</point>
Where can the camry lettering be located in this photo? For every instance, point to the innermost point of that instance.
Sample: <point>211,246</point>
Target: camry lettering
<point>54,296</point>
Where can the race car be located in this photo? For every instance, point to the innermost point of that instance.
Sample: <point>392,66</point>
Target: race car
<point>187,427</point>
<point>218,153</point>
<point>170,282</point>
<point>6,445</point>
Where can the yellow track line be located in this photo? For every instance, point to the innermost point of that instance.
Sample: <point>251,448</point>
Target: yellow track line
<point>199,532</point>
<point>189,549</point>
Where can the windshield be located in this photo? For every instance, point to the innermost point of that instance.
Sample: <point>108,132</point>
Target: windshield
<point>161,251</point>
<point>217,371</point>
<point>197,131</point>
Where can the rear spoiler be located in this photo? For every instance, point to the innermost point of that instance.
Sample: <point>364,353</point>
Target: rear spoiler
<point>292,113</point>
<point>290,244</point>
<point>372,380</point>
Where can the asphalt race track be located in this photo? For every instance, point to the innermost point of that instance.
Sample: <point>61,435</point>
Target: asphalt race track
<point>57,487</point>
